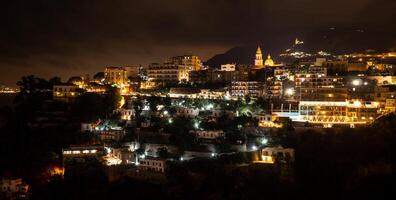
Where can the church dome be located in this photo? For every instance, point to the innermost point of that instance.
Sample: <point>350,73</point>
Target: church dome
<point>269,61</point>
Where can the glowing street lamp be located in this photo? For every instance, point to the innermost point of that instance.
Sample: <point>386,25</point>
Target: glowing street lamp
<point>289,91</point>
<point>356,82</point>
<point>264,141</point>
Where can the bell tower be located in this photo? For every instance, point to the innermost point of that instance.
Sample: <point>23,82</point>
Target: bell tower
<point>258,62</point>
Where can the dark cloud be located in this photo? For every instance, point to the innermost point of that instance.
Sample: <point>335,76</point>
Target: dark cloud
<point>70,37</point>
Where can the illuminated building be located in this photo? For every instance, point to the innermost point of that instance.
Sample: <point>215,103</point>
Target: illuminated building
<point>77,80</point>
<point>275,89</point>
<point>244,88</point>
<point>207,135</point>
<point>180,92</point>
<point>116,75</point>
<point>82,151</point>
<point>386,95</point>
<point>212,94</point>
<point>95,88</point>
<point>313,80</point>
<point>268,121</point>
<point>338,112</point>
<point>277,154</point>
<point>65,91</point>
<point>281,73</point>
<point>127,114</point>
<point>228,67</point>
<point>187,112</point>
<point>148,85</point>
<point>163,73</point>
<point>343,67</point>
<point>110,135</point>
<point>269,61</point>
<point>258,62</point>
<point>175,69</point>
<point>321,71</point>
<point>324,93</point>
<point>329,113</point>
<point>152,165</point>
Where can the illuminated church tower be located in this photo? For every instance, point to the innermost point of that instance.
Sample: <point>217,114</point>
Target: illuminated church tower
<point>258,62</point>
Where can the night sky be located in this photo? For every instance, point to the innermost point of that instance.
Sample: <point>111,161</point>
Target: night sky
<point>64,38</point>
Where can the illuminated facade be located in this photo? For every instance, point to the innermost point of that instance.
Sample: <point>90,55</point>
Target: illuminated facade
<point>65,91</point>
<point>116,75</point>
<point>269,61</point>
<point>258,62</point>
<point>244,88</point>
<point>228,67</point>
<point>175,69</point>
<point>207,135</point>
<point>152,165</point>
<point>338,112</point>
<point>82,151</point>
<point>271,155</point>
<point>268,121</point>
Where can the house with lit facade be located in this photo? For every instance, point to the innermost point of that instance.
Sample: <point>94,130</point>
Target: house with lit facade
<point>65,91</point>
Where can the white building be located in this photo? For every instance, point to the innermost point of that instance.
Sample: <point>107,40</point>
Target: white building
<point>152,165</point>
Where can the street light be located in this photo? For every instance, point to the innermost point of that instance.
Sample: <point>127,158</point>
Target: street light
<point>290,91</point>
<point>356,82</point>
<point>196,125</point>
<point>264,141</point>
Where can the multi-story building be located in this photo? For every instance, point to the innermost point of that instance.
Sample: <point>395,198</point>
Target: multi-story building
<point>207,135</point>
<point>174,69</point>
<point>163,72</point>
<point>152,165</point>
<point>316,80</point>
<point>318,70</point>
<point>65,91</point>
<point>275,89</point>
<point>325,93</point>
<point>343,66</point>
<point>228,67</point>
<point>116,75</point>
<point>244,88</point>
<point>187,112</point>
<point>339,112</point>
<point>78,152</point>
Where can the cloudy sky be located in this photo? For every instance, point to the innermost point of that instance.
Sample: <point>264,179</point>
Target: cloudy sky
<point>72,37</point>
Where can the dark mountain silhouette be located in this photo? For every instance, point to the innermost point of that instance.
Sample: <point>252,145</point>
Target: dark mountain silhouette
<point>336,41</point>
